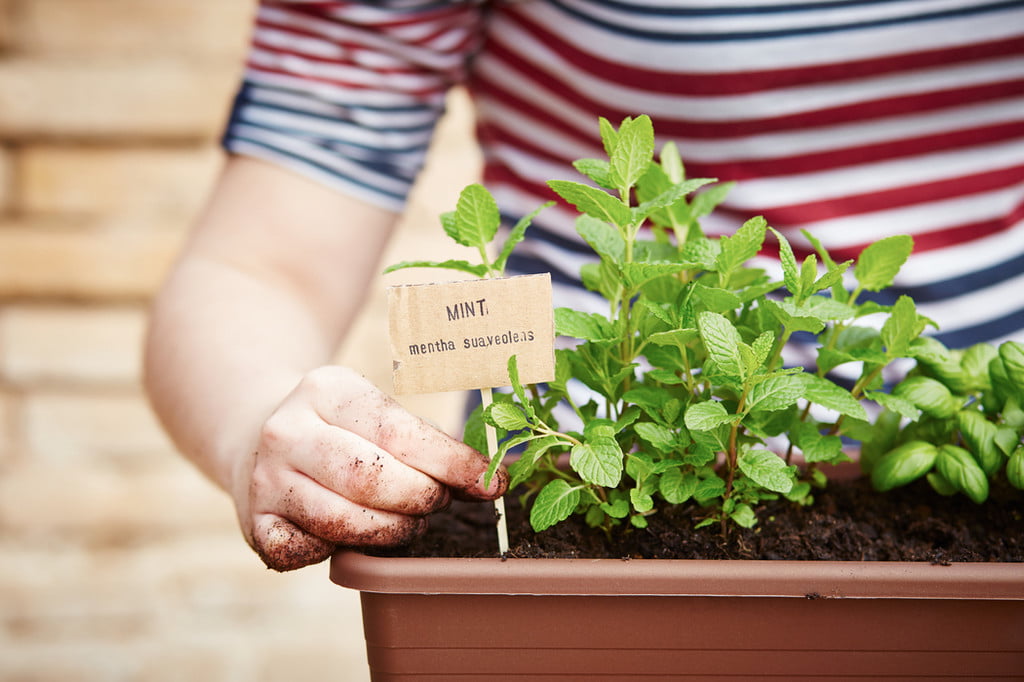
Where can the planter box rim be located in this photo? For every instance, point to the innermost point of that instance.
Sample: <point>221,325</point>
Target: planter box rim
<point>667,577</point>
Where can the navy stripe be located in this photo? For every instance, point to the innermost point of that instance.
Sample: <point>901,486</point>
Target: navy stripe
<point>304,161</point>
<point>704,37</point>
<point>984,332</point>
<point>951,288</point>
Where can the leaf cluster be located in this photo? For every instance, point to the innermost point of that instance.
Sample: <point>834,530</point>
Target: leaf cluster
<point>689,400</point>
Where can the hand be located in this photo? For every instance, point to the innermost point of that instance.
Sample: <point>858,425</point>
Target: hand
<point>341,464</point>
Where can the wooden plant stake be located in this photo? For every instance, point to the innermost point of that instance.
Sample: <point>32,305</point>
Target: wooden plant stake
<point>453,336</point>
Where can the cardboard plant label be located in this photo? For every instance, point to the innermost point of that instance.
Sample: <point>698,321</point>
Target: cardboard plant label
<point>459,335</point>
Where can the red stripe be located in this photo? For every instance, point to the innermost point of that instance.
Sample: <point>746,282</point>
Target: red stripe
<point>897,197</point>
<point>704,84</point>
<point>948,237</point>
<point>335,12</point>
<point>857,155</point>
<point>420,93</point>
<point>683,127</point>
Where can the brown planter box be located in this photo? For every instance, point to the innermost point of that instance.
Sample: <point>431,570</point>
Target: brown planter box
<point>548,619</point>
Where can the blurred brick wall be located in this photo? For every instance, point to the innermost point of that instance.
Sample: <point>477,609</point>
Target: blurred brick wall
<point>117,560</point>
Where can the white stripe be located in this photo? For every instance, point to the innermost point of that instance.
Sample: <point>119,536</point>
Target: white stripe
<point>326,178</point>
<point>323,157</point>
<point>331,92</point>
<point>964,258</point>
<point>976,307</point>
<point>754,21</point>
<point>761,194</point>
<point>293,64</point>
<point>754,106</point>
<point>339,131</point>
<point>896,129</point>
<point>375,118</point>
<point>783,52</point>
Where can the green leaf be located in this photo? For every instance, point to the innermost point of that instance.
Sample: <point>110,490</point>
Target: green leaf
<point>706,416</point>
<point>832,396</point>
<point>598,462</point>
<point>903,326</point>
<point>516,236</point>
<point>671,162</point>
<point>790,275</point>
<point>879,262</point>
<point>642,502</point>
<point>902,407</point>
<point>722,342</point>
<point>661,437</point>
<point>592,201</point>
<point>476,217</point>
<point>506,416</point>
<point>716,300</point>
<point>460,265</point>
<point>743,245</point>
<point>794,318</point>
<point>767,469</point>
<point>632,152</point>
<point>555,503</point>
<point>677,487</point>
<point>900,466</point>
<point>958,467</point>
<point>1015,468</point>
<point>819,448</point>
<point>595,169</point>
<point>604,239</point>
<point>930,396</point>
<point>743,515</point>
<point>579,325</point>
<point>775,393</point>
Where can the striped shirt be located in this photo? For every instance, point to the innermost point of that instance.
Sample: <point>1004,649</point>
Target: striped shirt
<point>853,119</point>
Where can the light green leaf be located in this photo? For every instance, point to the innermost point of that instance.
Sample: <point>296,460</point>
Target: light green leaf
<point>661,437</point>
<point>706,416</point>
<point>743,245</point>
<point>827,394</point>
<point>790,275</point>
<point>902,407</point>
<point>880,261</point>
<point>460,265</point>
<point>775,393</point>
<point>767,469</point>
<point>632,152</point>
<point>555,503</point>
<point>476,217</point>
<point>721,340</point>
<point>604,239</point>
<point>595,169</point>
<point>587,326</point>
<point>592,201</point>
<point>506,416</point>
<point>903,326</point>
<point>516,236</point>
<point>677,487</point>
<point>598,462</point>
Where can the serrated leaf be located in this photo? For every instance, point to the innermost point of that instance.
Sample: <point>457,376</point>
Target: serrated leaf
<point>635,275</point>
<point>668,198</point>
<point>775,393</point>
<point>476,217</point>
<point>661,437</point>
<point>672,162</point>
<point>677,487</point>
<point>598,462</point>
<point>902,407</point>
<point>741,246</point>
<point>632,152</point>
<point>903,326</point>
<point>716,300</point>
<point>878,264</point>
<point>708,488</point>
<point>706,415</point>
<point>817,447</point>
<point>793,318</point>
<point>506,416</point>
<point>604,239</point>
<point>827,394</point>
<point>767,470</point>
<point>595,169</point>
<point>555,502</point>
<point>743,516</point>
<point>721,340</point>
<point>592,201</point>
<point>580,325</point>
<point>642,502</point>
<point>790,274</point>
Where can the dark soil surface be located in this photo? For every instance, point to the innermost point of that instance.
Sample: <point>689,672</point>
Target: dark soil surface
<point>847,522</point>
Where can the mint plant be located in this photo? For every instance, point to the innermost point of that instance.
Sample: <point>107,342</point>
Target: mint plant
<point>690,400</point>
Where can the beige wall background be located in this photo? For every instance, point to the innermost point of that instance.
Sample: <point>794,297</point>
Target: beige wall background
<point>118,561</point>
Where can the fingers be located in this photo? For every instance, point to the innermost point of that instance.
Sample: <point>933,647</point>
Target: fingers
<point>377,418</point>
<point>352,467</point>
<point>308,523</point>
